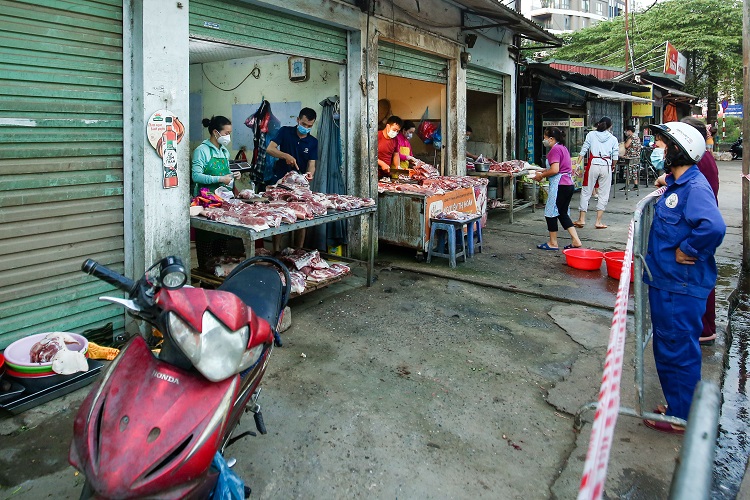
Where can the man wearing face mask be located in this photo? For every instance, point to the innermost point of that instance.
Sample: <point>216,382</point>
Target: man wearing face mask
<point>295,148</point>
<point>388,156</point>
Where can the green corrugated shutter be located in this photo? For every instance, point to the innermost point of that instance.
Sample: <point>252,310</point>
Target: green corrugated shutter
<point>61,178</point>
<point>252,26</point>
<point>483,80</point>
<point>409,63</point>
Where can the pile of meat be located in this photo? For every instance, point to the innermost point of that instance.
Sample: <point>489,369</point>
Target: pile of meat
<point>432,186</point>
<point>454,215</point>
<point>510,166</point>
<point>290,200</point>
<point>309,266</point>
<point>423,170</point>
<point>54,348</point>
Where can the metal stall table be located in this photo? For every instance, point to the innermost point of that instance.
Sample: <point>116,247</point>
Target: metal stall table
<point>405,217</point>
<point>249,236</point>
<point>514,206</point>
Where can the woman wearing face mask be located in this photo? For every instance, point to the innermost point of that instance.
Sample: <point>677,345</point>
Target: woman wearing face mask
<point>403,139</point>
<point>388,156</point>
<point>559,172</point>
<point>686,230</point>
<point>210,168</point>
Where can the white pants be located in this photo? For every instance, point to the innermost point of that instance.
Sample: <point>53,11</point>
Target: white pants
<point>603,175</point>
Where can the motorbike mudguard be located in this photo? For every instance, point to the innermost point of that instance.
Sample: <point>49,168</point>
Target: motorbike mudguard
<point>149,428</point>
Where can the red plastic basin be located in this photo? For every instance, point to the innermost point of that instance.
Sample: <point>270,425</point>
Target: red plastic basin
<point>614,262</point>
<point>584,258</point>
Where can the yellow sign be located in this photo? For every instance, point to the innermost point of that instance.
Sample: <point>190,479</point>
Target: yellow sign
<point>643,109</point>
<point>576,122</point>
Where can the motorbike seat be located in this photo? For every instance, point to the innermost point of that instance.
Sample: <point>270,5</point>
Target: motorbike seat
<point>259,287</point>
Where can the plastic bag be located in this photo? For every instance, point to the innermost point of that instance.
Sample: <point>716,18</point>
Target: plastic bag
<point>229,486</point>
<point>426,128</point>
<point>437,138</point>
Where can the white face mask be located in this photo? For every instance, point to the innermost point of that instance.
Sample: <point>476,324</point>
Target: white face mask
<point>392,134</point>
<point>224,140</point>
<point>546,143</point>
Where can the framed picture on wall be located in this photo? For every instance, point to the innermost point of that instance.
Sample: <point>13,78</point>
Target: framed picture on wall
<point>299,69</point>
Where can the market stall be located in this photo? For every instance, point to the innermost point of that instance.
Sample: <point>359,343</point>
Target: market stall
<point>511,170</point>
<point>407,203</point>
<point>281,209</point>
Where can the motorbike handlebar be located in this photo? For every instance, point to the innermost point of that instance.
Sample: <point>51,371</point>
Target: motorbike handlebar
<point>105,274</point>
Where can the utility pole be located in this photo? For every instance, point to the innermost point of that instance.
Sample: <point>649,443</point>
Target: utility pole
<point>627,44</point>
<point>746,134</point>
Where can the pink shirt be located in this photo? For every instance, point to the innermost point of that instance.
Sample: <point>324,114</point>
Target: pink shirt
<point>404,147</point>
<point>559,154</point>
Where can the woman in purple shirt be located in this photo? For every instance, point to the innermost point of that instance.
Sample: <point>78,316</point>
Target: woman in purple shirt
<point>559,172</point>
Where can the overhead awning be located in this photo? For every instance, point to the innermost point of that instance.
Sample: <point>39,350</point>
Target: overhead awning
<point>572,111</point>
<point>671,91</point>
<point>505,17</point>
<point>607,95</point>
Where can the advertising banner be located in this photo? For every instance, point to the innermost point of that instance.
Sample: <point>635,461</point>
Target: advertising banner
<point>675,63</point>
<point>644,109</point>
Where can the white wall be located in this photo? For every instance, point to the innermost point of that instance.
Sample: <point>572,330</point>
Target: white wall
<point>273,84</point>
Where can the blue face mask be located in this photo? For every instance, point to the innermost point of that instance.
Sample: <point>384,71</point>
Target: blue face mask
<point>657,158</point>
<point>303,130</point>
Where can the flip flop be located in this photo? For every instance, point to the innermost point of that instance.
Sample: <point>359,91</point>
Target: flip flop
<point>545,246</point>
<point>603,226</point>
<point>568,247</point>
<point>660,409</point>
<point>707,341</point>
<point>579,225</point>
<point>664,427</point>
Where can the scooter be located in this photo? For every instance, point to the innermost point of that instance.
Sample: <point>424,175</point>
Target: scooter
<point>736,149</point>
<point>152,425</point>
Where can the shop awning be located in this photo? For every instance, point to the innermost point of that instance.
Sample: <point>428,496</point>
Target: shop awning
<point>607,95</point>
<point>504,17</point>
<point>671,91</point>
<point>572,111</point>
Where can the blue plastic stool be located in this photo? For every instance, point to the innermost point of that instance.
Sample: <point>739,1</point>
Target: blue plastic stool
<point>474,236</point>
<point>439,228</point>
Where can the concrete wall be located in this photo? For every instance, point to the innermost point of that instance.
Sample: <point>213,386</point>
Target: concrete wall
<point>273,84</point>
<point>155,77</point>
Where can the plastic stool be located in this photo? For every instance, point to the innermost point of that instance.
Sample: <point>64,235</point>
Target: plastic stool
<point>450,228</point>
<point>474,232</point>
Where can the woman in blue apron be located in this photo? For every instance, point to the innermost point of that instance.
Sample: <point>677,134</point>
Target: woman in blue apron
<point>559,172</point>
<point>210,169</point>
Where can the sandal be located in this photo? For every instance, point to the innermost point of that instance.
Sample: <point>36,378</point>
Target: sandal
<point>664,427</point>
<point>579,225</point>
<point>545,246</point>
<point>601,226</point>
<point>568,247</point>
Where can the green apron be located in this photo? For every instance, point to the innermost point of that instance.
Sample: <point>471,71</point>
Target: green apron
<point>217,166</point>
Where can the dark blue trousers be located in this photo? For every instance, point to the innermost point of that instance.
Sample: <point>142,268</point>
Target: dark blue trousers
<point>677,322</point>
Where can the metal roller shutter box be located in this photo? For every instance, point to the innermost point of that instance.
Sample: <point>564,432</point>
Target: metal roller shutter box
<point>396,60</point>
<point>252,26</point>
<point>483,80</point>
<point>61,163</point>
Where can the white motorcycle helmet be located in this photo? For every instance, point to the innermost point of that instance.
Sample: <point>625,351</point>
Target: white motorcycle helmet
<point>687,138</point>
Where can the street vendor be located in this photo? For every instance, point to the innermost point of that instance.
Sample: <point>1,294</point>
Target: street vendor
<point>388,156</point>
<point>467,138</point>
<point>404,143</point>
<point>210,167</point>
<point>295,147</point>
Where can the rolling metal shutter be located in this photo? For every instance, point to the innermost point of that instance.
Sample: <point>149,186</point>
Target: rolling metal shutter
<point>396,60</point>
<point>483,80</point>
<point>61,177</point>
<point>251,26</point>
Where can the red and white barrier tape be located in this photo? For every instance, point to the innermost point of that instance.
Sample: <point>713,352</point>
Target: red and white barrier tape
<point>608,406</point>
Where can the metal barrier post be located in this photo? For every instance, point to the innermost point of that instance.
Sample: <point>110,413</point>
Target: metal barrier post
<point>693,475</point>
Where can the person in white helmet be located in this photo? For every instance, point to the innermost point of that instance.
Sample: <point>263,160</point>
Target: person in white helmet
<point>686,230</point>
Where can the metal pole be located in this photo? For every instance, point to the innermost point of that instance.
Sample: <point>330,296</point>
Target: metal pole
<point>627,55</point>
<point>692,479</point>
<point>746,135</point>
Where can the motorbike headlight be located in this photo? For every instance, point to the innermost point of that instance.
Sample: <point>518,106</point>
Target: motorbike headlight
<point>217,352</point>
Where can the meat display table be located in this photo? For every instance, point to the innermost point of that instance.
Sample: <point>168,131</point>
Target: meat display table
<point>514,205</point>
<point>405,217</point>
<point>249,236</point>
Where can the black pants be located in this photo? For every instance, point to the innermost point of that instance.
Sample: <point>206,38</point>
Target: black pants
<point>564,195</point>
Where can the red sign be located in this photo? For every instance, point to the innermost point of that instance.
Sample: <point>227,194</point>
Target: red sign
<point>675,63</point>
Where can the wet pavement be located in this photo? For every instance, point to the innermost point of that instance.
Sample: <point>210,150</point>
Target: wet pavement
<point>437,383</point>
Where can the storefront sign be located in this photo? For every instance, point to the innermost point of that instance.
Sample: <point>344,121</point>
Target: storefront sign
<point>643,109</point>
<point>460,200</point>
<point>530,129</point>
<point>555,123</point>
<point>675,63</point>
<point>576,122</point>
<point>164,132</point>
<point>733,110</point>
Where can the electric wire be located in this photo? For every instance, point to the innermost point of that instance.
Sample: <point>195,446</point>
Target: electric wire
<point>255,73</point>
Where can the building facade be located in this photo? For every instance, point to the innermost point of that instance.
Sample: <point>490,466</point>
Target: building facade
<point>566,16</point>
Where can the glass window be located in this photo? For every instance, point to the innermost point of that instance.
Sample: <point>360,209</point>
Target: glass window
<point>565,4</point>
<point>585,5</point>
<point>567,22</point>
<point>600,8</point>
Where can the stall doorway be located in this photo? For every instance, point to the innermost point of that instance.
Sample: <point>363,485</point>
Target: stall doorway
<point>483,115</point>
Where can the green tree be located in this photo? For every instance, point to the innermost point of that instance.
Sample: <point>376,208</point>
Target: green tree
<point>707,32</point>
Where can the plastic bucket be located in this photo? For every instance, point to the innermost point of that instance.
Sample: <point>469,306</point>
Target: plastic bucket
<point>614,261</point>
<point>585,259</point>
<point>492,193</point>
<point>530,192</point>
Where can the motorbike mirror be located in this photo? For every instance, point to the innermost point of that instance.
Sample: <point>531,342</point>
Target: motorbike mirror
<point>173,273</point>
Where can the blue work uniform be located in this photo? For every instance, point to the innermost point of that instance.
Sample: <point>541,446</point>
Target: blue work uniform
<point>303,149</point>
<point>686,217</point>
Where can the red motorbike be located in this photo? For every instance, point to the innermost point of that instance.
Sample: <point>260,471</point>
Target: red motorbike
<point>152,425</point>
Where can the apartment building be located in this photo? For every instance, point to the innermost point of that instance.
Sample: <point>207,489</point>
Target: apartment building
<point>565,16</point>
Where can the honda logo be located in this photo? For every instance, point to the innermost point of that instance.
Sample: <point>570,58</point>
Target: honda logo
<point>165,377</point>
